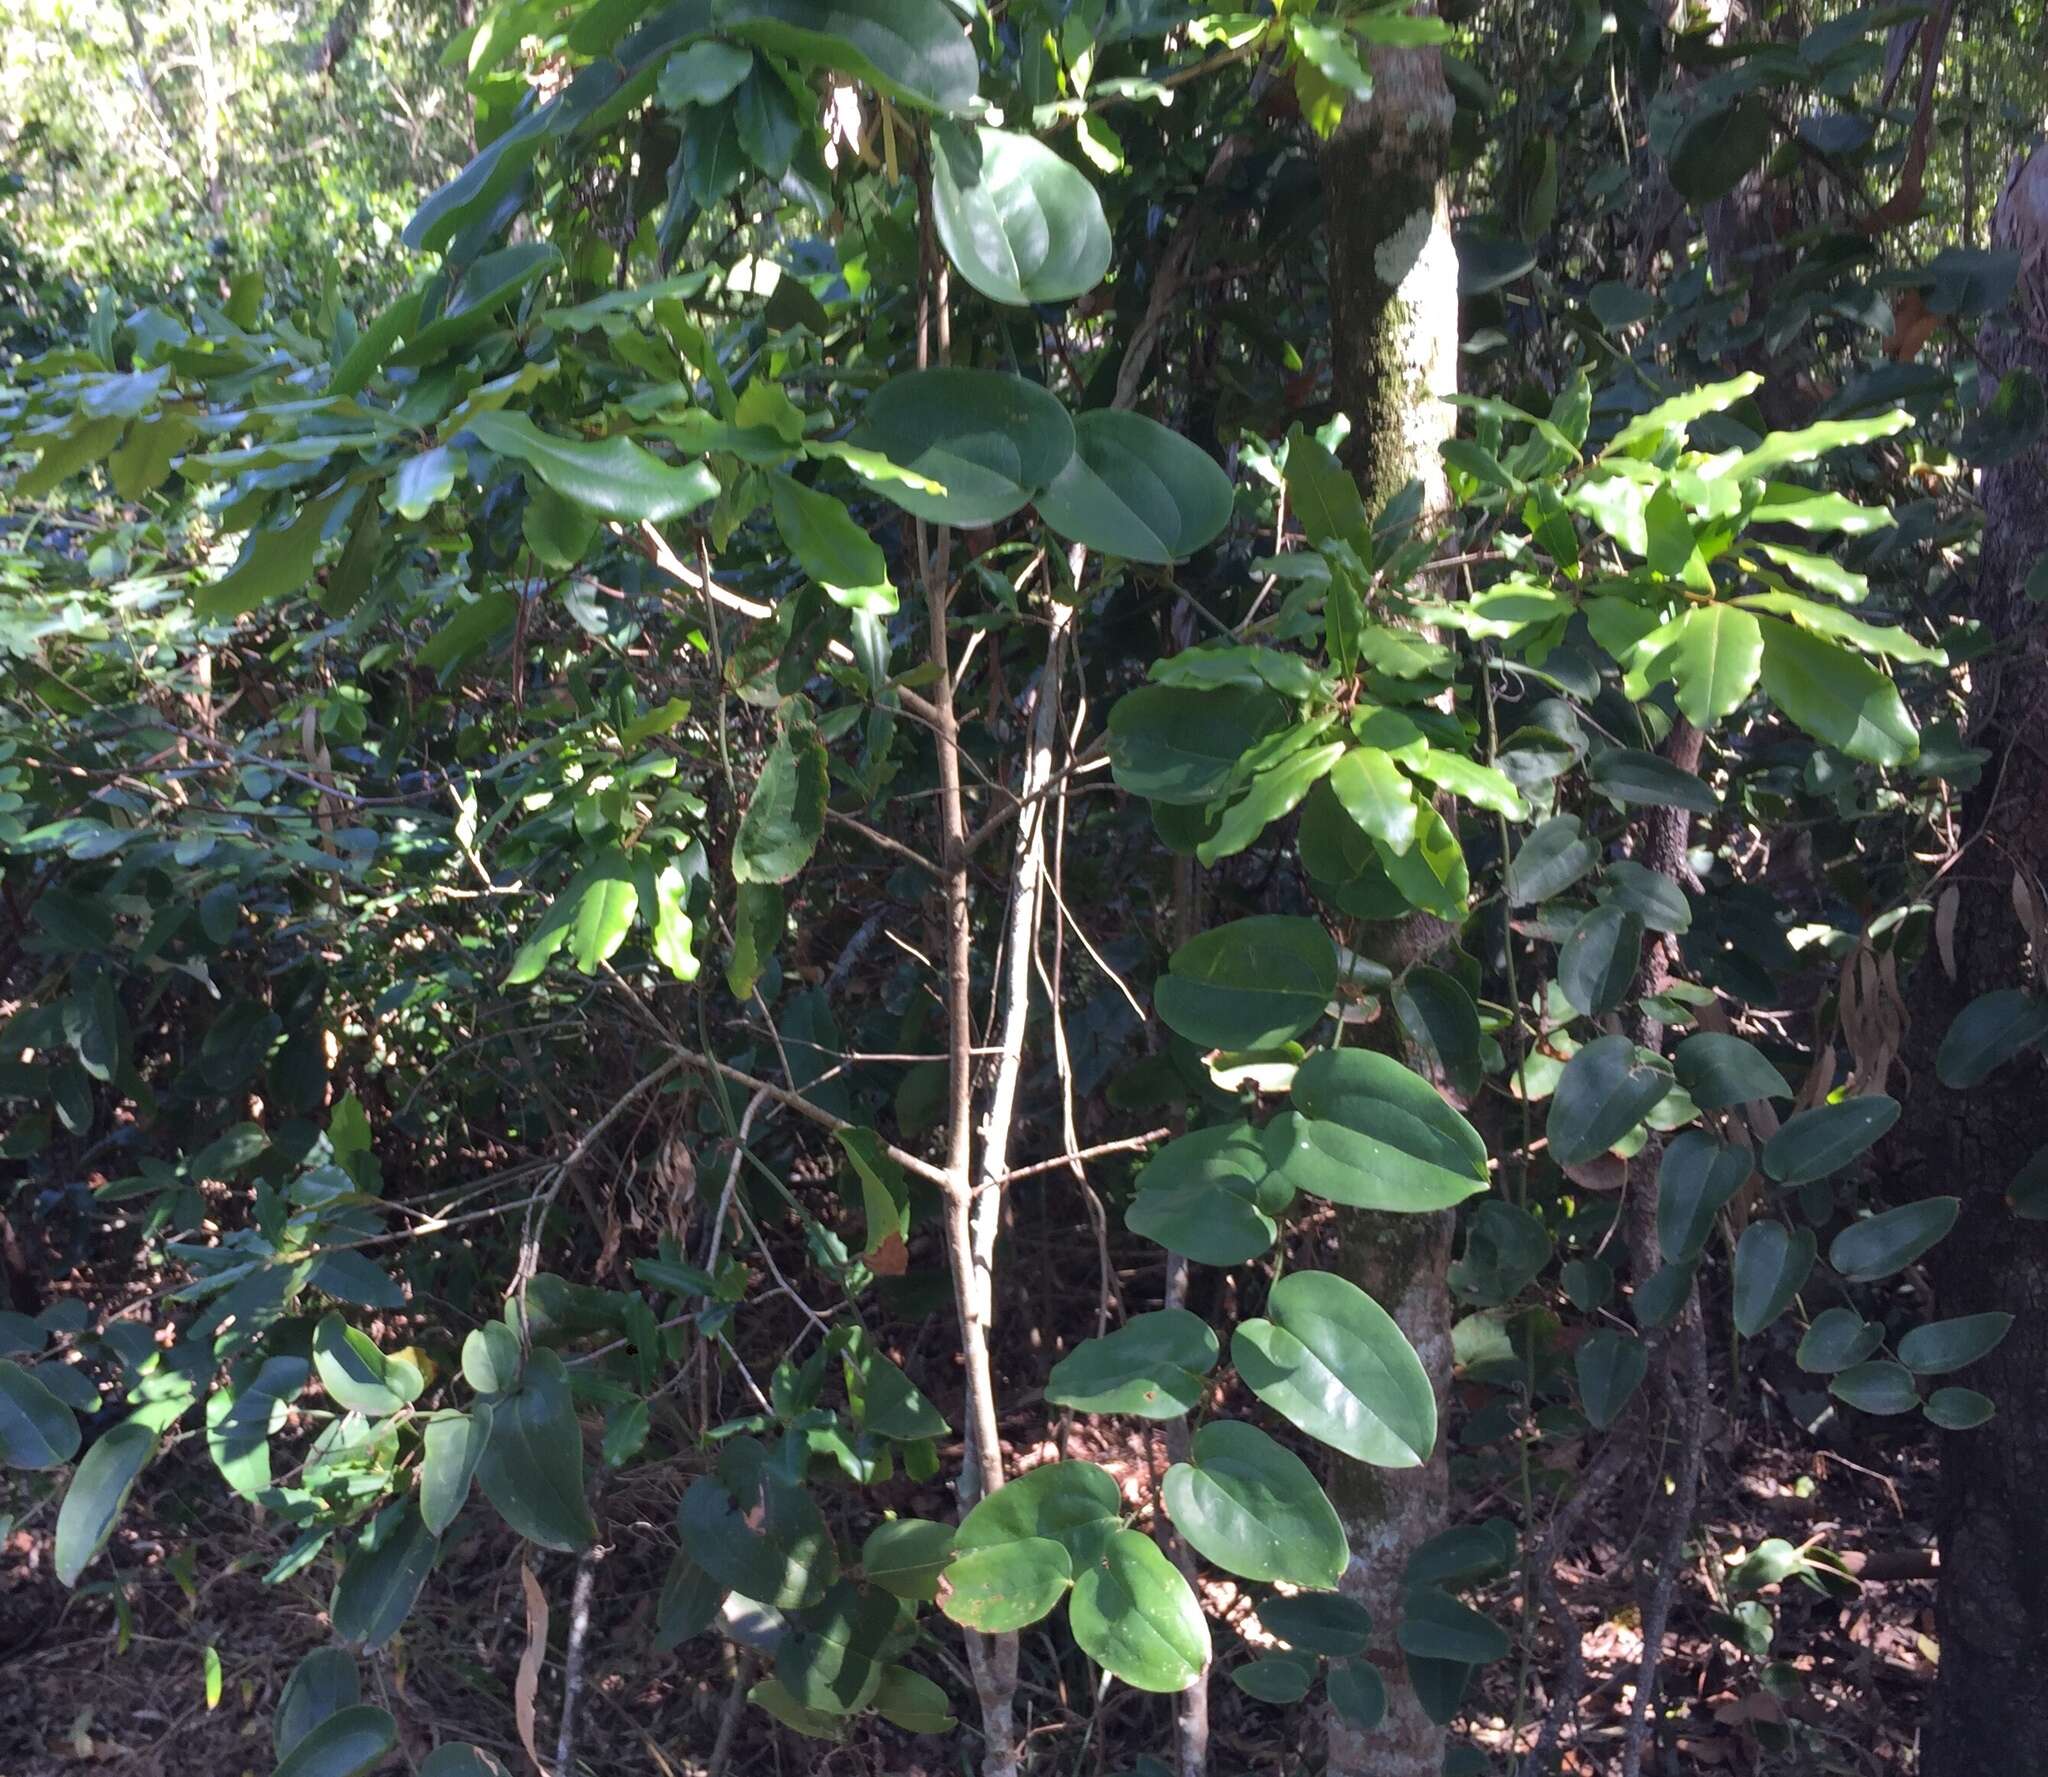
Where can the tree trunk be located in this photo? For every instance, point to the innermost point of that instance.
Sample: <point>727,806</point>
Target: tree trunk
<point>1394,352</point>
<point>1990,1712</point>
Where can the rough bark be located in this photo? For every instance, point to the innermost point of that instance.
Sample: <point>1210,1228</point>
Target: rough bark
<point>1990,1712</point>
<point>1394,345</point>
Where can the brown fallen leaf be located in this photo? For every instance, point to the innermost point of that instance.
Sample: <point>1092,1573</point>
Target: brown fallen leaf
<point>526,1685</point>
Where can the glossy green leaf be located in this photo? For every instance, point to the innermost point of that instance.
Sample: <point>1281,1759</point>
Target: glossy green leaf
<point>241,1417</point>
<point>1959,1409</point>
<point>1136,1618</point>
<point>1939,1346</point>
<point>1876,1387</point>
<point>1696,1176</point>
<point>1252,984</point>
<point>1597,963</point>
<point>1439,1018</point>
<point>1006,1586</point>
<point>613,476</point>
<point>452,1444</point>
<point>1331,1361</point>
<point>532,1466</point>
<point>830,547</point>
<point>1718,1070</point>
<point>1838,1338</point>
<point>491,1358</point>
<point>831,1660</point>
<point>1178,745</point>
<point>1019,223</point>
<point>1271,795</point>
<point>1152,1366</point>
<point>348,1743</point>
<point>1554,856</point>
<point>1318,1622</point>
<point>757,1531</point>
<point>772,1696</point>
<point>378,1585</point>
<point>1826,1138</point>
<point>1431,874</point>
<point>1369,1132</point>
<point>1771,1263</point>
<point>1357,1693</point>
<point>1135,489</point>
<point>913,50</point>
<point>1076,1504</point>
<point>1275,1678</point>
<point>1436,1626</point>
<point>786,813</point>
<point>906,1556</point>
<point>1714,661</point>
<point>1254,1509</point>
<point>1836,696</point>
<point>1611,1366</point>
<point>98,1492</point>
<point>1987,1033</point>
<point>1781,449</point>
<point>323,1684</point>
<point>912,1702</point>
<point>359,1376</point>
<point>1377,796</point>
<point>1605,1091</point>
<point>1647,780</point>
<point>1886,1243</point>
<point>273,562</point>
<point>702,74</point>
<point>1211,1196</point>
<point>991,441</point>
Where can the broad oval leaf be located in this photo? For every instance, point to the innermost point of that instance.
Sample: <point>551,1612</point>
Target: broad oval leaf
<point>1442,1022</point>
<point>1331,1361</point>
<point>786,813</point>
<point>1076,1504</point>
<point>831,1661</point>
<point>452,1444</point>
<point>913,50</point>
<point>1372,1133</point>
<point>1648,780</point>
<point>1888,1242</point>
<point>1694,1179</point>
<point>1252,984</point>
<point>1019,223</point>
<point>98,1491</point>
<point>1771,1263</point>
<point>1179,745</point>
<point>1989,1032</point>
<point>1254,1509</point>
<point>1718,1070</point>
<point>1554,856</point>
<point>1135,489</point>
<point>613,475</point>
<point>1836,696</point>
<point>991,441</point>
<point>1275,1678</point>
<point>359,1376</point>
<point>377,1588</point>
<point>1596,964</point>
<point>754,1529</point>
<point>906,1556</point>
<point>1151,1366</point>
<point>912,1702</point>
<point>532,1465</point>
<point>1876,1387</point>
<point>1838,1338</point>
<point>1611,1366</point>
<point>1211,1196</point>
<point>1717,145</point>
<point>37,1430</point>
<point>491,1358</point>
<point>1436,1626</point>
<point>347,1744</point>
<point>1318,1623</point>
<point>1357,1693</point>
<point>1826,1138</point>
<point>1943,1345</point>
<point>1006,1586</point>
<point>1959,1409</point>
<point>323,1684</point>
<point>1135,1616</point>
<point>1606,1089</point>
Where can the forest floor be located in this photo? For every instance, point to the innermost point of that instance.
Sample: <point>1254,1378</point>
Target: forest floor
<point>113,1676</point>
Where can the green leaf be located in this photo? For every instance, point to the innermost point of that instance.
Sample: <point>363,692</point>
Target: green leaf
<point>1596,964</point>
<point>476,625</point>
<point>1943,1345</point>
<point>1152,1366</point>
<point>361,1378</point>
<point>1717,146</point>
<point>272,564</point>
<point>1019,223</point>
<point>1331,1361</point>
<point>757,921</point>
<point>1134,489</point>
<point>1276,1678</point>
<point>1254,1509</point>
<point>911,1702</point>
<point>1252,984</point>
<point>1714,661</point>
<point>1554,856</point>
<point>1322,495</point>
<point>453,1445</point>
<point>323,1684</point>
<point>913,50</point>
<point>376,1590</point>
<point>1771,1263</point>
<point>885,1401</point>
<point>532,1465</point>
<point>1876,1387</point>
<point>991,441</point>
<point>348,1743</point>
<point>1432,873</point>
<point>757,1531</point>
<point>612,476</point>
<point>1369,1132</point>
<point>1838,1338</point>
<point>1076,1504</point>
<point>673,929</point>
<point>1377,796</point>
<point>830,547</point>
<point>831,1660</point>
<point>1826,1138</point>
<point>1318,1623</point>
<point>786,813</point>
<point>1611,1366</point>
<point>1694,1179</point>
<point>1357,1693</point>
<point>1987,1033</point>
<point>772,1696</point>
<point>1180,746</point>
<point>487,287</point>
<point>1718,1070</point>
<point>240,1419</point>
<point>1439,1018</point>
<point>98,1492</point>
<point>1210,1196</point>
<point>1782,449</point>
<point>1006,1586</point>
<point>1648,781</point>
<point>1958,1409</point>
<point>1785,502</point>
<point>1436,1626</point>
<point>1880,1245</point>
<point>1484,786</point>
<point>702,74</point>
<point>1605,1091</point>
<point>1136,1618</point>
<point>1681,410</point>
<point>457,1760</point>
<point>1273,793</point>
<point>491,1358</point>
<point>906,1557</point>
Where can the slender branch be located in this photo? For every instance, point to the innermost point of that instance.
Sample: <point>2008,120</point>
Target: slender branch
<point>572,1673</point>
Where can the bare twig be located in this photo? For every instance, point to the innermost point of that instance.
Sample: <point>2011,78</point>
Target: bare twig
<point>572,1662</point>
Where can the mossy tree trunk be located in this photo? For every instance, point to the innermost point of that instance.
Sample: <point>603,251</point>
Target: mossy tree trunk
<point>1393,278</point>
